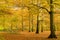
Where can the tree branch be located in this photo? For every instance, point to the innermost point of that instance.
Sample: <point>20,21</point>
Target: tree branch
<point>41,7</point>
<point>37,6</point>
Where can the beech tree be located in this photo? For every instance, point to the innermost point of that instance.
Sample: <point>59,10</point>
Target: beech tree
<point>51,12</point>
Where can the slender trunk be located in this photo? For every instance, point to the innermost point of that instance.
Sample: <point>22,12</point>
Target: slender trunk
<point>42,26</point>
<point>32,22</point>
<point>42,23</point>
<point>37,29</point>
<point>29,22</point>
<point>22,24</point>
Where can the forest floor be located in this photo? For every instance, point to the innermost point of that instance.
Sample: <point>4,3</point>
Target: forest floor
<point>27,36</point>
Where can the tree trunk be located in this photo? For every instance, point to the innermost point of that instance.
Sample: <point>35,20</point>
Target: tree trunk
<point>29,22</point>
<point>37,29</point>
<point>32,22</point>
<point>52,28</point>
<point>42,27</point>
<point>22,24</point>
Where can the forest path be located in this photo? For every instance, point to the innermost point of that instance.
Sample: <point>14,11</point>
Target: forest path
<point>28,36</point>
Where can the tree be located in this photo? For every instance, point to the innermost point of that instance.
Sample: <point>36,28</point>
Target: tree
<point>35,10</point>
<point>22,20</point>
<point>29,20</point>
<point>52,27</point>
<point>42,23</point>
<point>37,28</point>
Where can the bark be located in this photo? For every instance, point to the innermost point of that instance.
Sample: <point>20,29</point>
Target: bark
<point>29,22</point>
<point>52,27</point>
<point>42,25</point>
<point>32,22</point>
<point>37,29</point>
<point>22,24</point>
